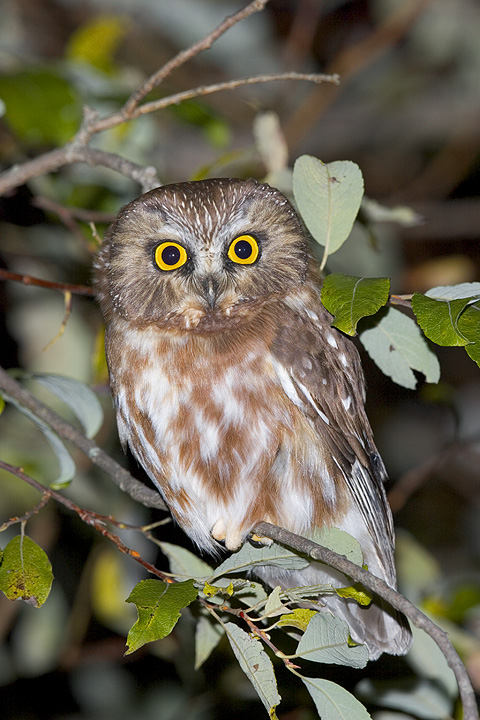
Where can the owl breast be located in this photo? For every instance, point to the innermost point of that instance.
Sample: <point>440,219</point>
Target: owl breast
<point>210,420</point>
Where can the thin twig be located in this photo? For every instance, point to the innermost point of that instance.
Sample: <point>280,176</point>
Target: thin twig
<point>88,516</point>
<point>380,588</point>
<point>67,431</point>
<point>157,78</point>
<point>50,284</point>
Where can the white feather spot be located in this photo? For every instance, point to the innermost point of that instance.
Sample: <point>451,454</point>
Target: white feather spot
<point>331,340</point>
<point>346,402</point>
<point>343,359</point>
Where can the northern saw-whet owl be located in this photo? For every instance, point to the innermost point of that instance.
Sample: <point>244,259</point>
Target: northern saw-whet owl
<point>232,389</point>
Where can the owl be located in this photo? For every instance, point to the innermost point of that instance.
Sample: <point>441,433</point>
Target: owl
<point>232,389</point>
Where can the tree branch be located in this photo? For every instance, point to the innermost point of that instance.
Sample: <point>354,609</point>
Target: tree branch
<point>380,588</point>
<point>67,431</point>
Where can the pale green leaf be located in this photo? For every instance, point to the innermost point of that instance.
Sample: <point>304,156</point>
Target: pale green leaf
<point>78,397</point>
<point>270,142</point>
<point>397,346</point>
<point>429,662</point>
<point>184,563</point>
<point>328,198</point>
<point>274,605</point>
<point>422,698</point>
<point>208,634</point>
<point>256,665</point>
<point>350,298</point>
<point>401,214</point>
<point>252,594</point>
<point>158,606</point>
<point>248,557</point>
<point>326,640</point>
<point>66,464</point>
<point>25,572</point>
<point>333,702</point>
<point>339,541</point>
<point>455,292</point>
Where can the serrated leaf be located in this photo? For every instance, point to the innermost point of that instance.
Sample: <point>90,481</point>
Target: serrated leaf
<point>25,572</point>
<point>66,464</point>
<point>333,702</point>
<point>78,397</point>
<point>326,640</point>
<point>256,665</point>
<point>208,634</point>
<point>350,298</point>
<point>397,346</point>
<point>439,318</point>
<point>248,557</point>
<point>299,619</point>
<point>422,698</point>
<point>184,563</point>
<point>158,605</point>
<point>340,541</point>
<point>328,198</point>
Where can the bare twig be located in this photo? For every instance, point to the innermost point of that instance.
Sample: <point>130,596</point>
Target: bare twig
<point>50,284</point>
<point>67,431</point>
<point>88,516</point>
<point>380,588</point>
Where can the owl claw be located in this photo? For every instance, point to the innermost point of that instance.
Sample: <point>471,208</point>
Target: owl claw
<point>259,540</point>
<point>232,537</point>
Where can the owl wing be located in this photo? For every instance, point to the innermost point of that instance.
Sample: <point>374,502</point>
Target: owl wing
<point>320,371</point>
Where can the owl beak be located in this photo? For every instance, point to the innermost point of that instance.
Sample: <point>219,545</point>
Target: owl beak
<point>210,288</point>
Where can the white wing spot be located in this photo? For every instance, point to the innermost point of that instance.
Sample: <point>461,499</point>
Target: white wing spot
<point>346,402</point>
<point>331,340</point>
<point>343,359</point>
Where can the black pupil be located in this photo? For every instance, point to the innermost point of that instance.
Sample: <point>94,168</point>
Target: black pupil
<point>243,249</point>
<point>171,255</point>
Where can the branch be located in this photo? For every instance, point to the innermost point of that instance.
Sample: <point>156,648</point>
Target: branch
<point>50,284</point>
<point>67,431</point>
<point>380,588</point>
<point>88,516</point>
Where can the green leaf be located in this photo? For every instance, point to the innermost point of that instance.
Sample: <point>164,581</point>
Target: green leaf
<point>274,605</point>
<point>350,298</point>
<point>469,326</point>
<point>184,563</point>
<point>397,346</point>
<point>333,702</point>
<point>25,572</point>
<point>41,106</point>
<point>66,464</point>
<point>78,397</point>
<point>256,665</point>
<point>326,640</point>
<point>249,557</point>
<point>299,619</point>
<point>339,541</point>
<point>439,318</point>
<point>158,605</point>
<point>421,698</point>
<point>97,41</point>
<point>208,634</point>
<point>355,592</point>
<point>328,198</point>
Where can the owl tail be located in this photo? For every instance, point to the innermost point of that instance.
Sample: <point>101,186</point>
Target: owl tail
<point>379,626</point>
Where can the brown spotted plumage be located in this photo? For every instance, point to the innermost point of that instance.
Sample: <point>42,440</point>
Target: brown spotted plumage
<point>232,389</point>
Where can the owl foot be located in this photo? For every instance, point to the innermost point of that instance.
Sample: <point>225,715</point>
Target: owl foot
<point>232,537</point>
<point>259,540</point>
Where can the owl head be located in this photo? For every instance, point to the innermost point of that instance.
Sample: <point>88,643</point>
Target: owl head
<point>199,254</point>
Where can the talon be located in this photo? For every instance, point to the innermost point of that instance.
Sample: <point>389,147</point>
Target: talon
<point>259,540</point>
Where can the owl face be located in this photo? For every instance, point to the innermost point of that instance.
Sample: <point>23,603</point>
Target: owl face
<point>201,254</point>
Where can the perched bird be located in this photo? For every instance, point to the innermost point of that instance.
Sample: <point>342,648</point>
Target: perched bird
<point>231,387</point>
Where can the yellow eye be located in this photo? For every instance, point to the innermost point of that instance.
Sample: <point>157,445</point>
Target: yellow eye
<point>170,255</point>
<point>244,250</point>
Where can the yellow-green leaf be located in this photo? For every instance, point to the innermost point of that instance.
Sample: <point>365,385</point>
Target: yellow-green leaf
<point>158,606</point>
<point>356,592</point>
<point>299,619</point>
<point>25,572</point>
<point>97,41</point>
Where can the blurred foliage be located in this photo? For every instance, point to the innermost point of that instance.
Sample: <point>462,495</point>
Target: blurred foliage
<point>407,113</point>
